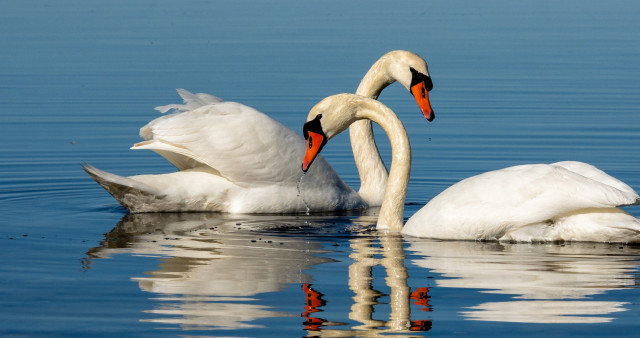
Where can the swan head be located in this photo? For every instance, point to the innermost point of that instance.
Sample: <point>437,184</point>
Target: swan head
<point>420,86</point>
<point>411,71</point>
<point>330,117</point>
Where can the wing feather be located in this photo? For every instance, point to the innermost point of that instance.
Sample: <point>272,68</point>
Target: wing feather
<point>492,203</point>
<point>243,144</point>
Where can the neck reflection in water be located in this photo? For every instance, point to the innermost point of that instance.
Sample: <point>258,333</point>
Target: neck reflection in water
<point>216,269</point>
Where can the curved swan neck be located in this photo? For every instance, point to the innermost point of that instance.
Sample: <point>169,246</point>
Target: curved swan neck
<point>391,212</point>
<point>371,169</point>
<point>377,78</point>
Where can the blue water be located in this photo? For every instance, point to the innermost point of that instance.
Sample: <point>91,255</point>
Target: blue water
<point>515,82</point>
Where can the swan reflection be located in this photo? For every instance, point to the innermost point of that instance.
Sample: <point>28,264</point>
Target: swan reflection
<point>367,253</point>
<point>214,267</point>
<point>211,267</point>
<point>391,256</point>
<point>215,270</point>
<point>549,283</point>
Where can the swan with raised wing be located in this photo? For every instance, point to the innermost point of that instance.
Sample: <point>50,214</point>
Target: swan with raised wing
<point>233,158</point>
<point>565,201</point>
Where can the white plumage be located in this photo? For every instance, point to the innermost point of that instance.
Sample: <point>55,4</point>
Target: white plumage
<point>534,202</point>
<point>564,201</point>
<point>233,158</point>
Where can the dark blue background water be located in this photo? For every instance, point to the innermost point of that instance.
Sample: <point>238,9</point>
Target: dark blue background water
<point>515,82</point>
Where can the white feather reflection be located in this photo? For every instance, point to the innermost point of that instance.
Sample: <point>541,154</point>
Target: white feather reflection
<point>545,311</point>
<point>214,270</point>
<point>212,266</point>
<point>550,283</point>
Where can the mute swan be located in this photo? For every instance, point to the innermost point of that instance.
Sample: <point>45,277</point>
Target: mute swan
<point>233,158</point>
<point>565,201</point>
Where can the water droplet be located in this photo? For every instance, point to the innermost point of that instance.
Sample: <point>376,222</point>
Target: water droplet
<point>300,194</point>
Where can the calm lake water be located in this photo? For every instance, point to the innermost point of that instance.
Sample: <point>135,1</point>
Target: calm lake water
<point>515,82</point>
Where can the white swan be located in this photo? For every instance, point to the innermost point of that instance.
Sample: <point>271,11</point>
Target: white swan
<point>565,201</point>
<point>233,158</point>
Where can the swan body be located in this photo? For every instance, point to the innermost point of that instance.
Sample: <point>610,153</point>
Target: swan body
<point>533,202</point>
<point>564,201</point>
<point>240,174</point>
<point>233,158</point>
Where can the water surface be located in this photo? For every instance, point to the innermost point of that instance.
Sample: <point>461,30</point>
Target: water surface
<point>525,82</point>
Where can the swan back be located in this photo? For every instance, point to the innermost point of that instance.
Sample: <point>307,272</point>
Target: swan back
<point>591,172</point>
<point>489,205</point>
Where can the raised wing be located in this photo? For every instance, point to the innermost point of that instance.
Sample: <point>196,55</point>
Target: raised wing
<point>244,145</point>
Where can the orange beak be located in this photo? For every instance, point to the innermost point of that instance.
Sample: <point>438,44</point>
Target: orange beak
<point>420,93</point>
<point>315,142</point>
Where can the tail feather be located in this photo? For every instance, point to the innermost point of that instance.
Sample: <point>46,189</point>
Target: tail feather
<point>126,191</point>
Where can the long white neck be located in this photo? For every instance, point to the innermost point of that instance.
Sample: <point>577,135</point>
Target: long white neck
<point>391,212</point>
<point>372,171</point>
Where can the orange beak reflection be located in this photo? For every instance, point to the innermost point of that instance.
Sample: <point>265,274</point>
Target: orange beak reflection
<point>315,142</point>
<point>420,93</point>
